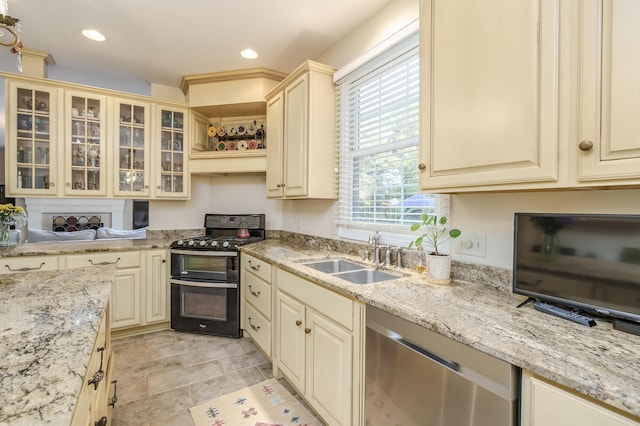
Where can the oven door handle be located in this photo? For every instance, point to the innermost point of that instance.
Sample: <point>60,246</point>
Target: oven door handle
<point>204,284</point>
<point>205,253</point>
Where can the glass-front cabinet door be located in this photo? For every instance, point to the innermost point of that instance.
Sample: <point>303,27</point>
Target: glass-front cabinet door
<point>86,156</point>
<point>132,155</point>
<point>172,178</point>
<point>31,139</point>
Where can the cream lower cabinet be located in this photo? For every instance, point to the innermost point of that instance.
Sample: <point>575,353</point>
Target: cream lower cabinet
<point>319,347</point>
<point>93,406</point>
<point>301,157</point>
<point>126,292</point>
<point>140,292</point>
<point>256,302</point>
<point>11,265</point>
<point>544,403</point>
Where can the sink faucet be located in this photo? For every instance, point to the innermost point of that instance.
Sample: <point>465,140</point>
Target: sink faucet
<point>374,239</point>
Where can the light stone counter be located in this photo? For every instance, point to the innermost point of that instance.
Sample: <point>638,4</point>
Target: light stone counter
<point>49,322</point>
<point>599,361</point>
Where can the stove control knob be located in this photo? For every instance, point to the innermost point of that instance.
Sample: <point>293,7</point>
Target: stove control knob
<point>191,242</point>
<point>203,243</point>
<point>180,242</point>
<point>225,244</point>
<point>214,243</point>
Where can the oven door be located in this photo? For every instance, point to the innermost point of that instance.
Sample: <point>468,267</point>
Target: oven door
<point>205,307</point>
<point>205,265</point>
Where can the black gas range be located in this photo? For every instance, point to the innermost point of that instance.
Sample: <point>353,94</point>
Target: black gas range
<point>205,274</point>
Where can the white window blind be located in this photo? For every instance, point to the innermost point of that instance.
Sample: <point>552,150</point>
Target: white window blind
<point>378,128</point>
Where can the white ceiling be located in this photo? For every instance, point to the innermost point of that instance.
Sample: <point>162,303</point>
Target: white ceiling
<point>160,41</point>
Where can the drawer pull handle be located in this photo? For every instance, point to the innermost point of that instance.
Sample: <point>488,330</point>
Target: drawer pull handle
<point>99,375</point>
<point>307,331</point>
<point>104,263</point>
<point>255,293</point>
<point>255,268</point>
<point>114,398</point>
<point>298,323</point>
<point>255,327</point>
<point>25,269</point>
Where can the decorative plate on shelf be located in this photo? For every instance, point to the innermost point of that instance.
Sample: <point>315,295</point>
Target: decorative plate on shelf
<point>251,129</point>
<point>252,144</point>
<point>222,146</point>
<point>231,146</point>
<point>242,145</point>
<point>231,130</point>
<point>241,130</point>
<point>212,131</point>
<point>222,130</point>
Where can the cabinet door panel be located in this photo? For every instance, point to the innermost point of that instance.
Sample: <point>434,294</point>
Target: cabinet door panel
<point>329,371</point>
<point>489,92</point>
<point>125,299</point>
<point>131,142</point>
<point>610,84</point>
<point>275,147</point>
<point>296,135</point>
<point>157,286</point>
<point>290,339</point>
<point>32,139</point>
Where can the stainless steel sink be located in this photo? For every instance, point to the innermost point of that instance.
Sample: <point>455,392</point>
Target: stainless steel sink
<point>366,276</point>
<point>332,266</point>
<point>349,271</point>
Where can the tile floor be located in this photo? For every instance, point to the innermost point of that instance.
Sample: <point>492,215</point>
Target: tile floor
<point>161,375</point>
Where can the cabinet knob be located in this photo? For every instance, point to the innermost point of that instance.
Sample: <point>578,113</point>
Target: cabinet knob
<point>67,184</point>
<point>52,184</point>
<point>422,166</point>
<point>307,330</point>
<point>298,323</point>
<point>585,145</point>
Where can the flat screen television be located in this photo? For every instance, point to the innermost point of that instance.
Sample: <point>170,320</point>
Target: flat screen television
<point>585,261</point>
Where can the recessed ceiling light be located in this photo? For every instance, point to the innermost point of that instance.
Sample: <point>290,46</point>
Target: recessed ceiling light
<point>93,35</point>
<point>249,54</point>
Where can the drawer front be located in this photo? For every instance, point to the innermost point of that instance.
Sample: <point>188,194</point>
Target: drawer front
<point>12,265</point>
<point>257,267</point>
<point>125,259</point>
<point>333,305</point>
<point>257,327</point>
<point>258,293</point>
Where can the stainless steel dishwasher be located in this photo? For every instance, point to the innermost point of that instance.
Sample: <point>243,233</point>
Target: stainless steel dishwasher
<point>417,377</point>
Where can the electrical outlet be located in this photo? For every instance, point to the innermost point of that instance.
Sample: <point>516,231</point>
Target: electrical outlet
<point>472,244</point>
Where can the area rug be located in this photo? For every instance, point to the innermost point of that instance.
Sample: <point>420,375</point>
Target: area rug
<point>265,404</point>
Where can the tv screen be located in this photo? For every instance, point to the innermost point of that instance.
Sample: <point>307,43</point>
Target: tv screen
<point>585,261</point>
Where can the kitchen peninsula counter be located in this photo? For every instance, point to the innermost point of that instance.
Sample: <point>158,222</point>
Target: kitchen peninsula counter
<point>74,247</point>
<point>49,322</point>
<point>599,361</point>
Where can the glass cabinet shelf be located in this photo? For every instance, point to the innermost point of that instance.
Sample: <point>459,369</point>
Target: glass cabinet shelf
<point>132,150</point>
<point>172,174</point>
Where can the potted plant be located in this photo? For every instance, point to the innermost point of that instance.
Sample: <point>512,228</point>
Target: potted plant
<point>435,231</point>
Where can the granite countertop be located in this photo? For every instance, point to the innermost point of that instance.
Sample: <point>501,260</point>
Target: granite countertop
<point>71,247</point>
<point>599,361</point>
<point>49,322</point>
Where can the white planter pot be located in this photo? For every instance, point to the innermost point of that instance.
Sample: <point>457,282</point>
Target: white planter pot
<point>438,268</point>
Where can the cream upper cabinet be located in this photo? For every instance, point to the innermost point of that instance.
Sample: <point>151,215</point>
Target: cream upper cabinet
<point>85,154</point>
<point>489,102</point>
<point>544,403</point>
<point>275,147</point>
<point>301,157</point>
<point>608,144</point>
<point>170,161</point>
<point>131,135</point>
<point>32,124</point>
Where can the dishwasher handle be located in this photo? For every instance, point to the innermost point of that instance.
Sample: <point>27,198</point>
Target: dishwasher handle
<point>451,365</point>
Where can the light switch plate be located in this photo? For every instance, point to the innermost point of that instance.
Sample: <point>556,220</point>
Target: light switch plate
<point>471,244</point>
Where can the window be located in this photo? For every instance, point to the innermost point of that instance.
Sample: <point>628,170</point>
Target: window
<point>378,131</point>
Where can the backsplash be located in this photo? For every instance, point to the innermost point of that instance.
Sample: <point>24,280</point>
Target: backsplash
<point>491,276</point>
